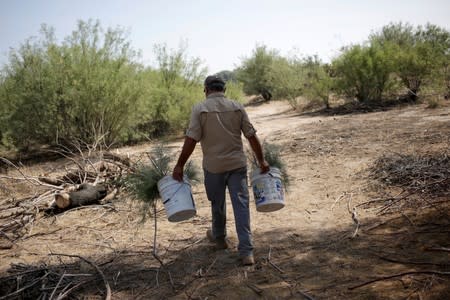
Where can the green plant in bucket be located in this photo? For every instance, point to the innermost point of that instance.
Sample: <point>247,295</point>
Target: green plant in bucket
<point>273,157</point>
<point>143,184</point>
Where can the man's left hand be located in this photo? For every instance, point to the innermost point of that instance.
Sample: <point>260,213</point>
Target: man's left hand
<point>177,173</point>
<point>264,166</point>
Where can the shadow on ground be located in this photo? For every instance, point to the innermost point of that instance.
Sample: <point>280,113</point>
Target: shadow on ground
<point>355,107</point>
<point>290,264</point>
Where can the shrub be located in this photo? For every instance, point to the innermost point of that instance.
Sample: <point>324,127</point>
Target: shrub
<point>92,86</point>
<point>364,71</point>
<point>254,71</point>
<point>85,88</point>
<point>318,83</point>
<point>433,102</point>
<point>421,54</point>
<point>295,78</point>
<point>235,91</point>
<point>287,77</point>
<point>179,87</point>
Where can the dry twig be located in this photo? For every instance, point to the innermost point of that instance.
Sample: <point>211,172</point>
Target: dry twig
<point>417,175</point>
<point>271,263</point>
<point>24,288</point>
<point>438,249</point>
<point>399,275</point>
<point>108,288</point>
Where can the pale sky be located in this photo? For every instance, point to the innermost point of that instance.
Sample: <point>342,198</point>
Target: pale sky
<point>221,33</point>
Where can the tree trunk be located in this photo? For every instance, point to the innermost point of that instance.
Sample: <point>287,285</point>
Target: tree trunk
<point>86,194</point>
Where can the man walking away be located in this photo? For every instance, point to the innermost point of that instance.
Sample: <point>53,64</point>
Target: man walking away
<point>217,123</point>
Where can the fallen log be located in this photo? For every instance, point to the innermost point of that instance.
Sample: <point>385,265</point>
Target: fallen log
<point>51,180</point>
<point>84,195</point>
<point>110,196</point>
<point>123,160</point>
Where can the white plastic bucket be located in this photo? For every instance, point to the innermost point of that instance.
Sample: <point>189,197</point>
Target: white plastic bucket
<point>177,199</point>
<point>268,190</point>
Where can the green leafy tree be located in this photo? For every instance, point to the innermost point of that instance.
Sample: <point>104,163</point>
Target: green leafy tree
<point>287,77</point>
<point>437,40</point>
<point>104,85</point>
<point>364,71</point>
<point>421,54</point>
<point>296,77</point>
<point>254,71</point>
<point>84,88</point>
<point>400,33</point>
<point>3,110</point>
<point>234,90</point>
<point>318,83</point>
<point>174,88</point>
<point>28,91</point>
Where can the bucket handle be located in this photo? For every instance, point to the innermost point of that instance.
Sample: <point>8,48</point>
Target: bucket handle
<point>168,199</point>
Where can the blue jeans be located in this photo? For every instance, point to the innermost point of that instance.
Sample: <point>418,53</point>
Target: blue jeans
<point>236,181</point>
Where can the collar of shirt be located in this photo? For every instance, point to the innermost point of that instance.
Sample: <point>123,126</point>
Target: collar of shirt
<point>216,95</point>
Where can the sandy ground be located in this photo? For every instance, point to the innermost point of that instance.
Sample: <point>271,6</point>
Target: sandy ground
<point>304,251</point>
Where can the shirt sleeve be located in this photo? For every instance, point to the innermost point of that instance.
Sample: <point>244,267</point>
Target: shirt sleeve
<point>194,130</point>
<point>247,128</point>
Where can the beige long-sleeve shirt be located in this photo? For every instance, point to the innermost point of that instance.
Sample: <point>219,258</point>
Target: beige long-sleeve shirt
<point>217,123</point>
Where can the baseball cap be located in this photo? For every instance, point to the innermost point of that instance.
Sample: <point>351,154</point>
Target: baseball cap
<point>214,81</point>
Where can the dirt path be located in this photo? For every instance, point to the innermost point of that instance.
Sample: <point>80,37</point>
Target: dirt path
<point>304,250</point>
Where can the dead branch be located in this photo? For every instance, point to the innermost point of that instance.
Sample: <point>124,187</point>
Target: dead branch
<point>271,263</point>
<point>57,285</point>
<point>99,271</point>
<point>405,262</point>
<point>11,212</point>
<point>254,288</point>
<point>399,275</point>
<point>396,197</point>
<point>438,249</point>
<point>24,272</point>
<point>209,268</point>
<point>6,244</point>
<point>41,233</point>
<point>356,221</point>
<point>116,158</point>
<point>417,175</point>
<point>353,213</point>
<point>15,167</point>
<point>90,206</point>
<point>337,200</point>
<point>305,295</point>
<point>382,223</point>
<point>67,291</point>
<point>194,243</point>
<point>5,235</point>
<point>32,181</point>
<point>25,287</point>
<point>51,180</point>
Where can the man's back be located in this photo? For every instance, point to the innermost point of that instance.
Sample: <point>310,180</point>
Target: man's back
<point>217,123</point>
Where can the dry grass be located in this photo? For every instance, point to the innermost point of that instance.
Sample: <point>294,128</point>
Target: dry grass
<point>305,249</point>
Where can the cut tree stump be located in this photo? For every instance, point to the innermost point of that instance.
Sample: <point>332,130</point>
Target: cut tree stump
<point>85,195</point>
<point>123,160</point>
